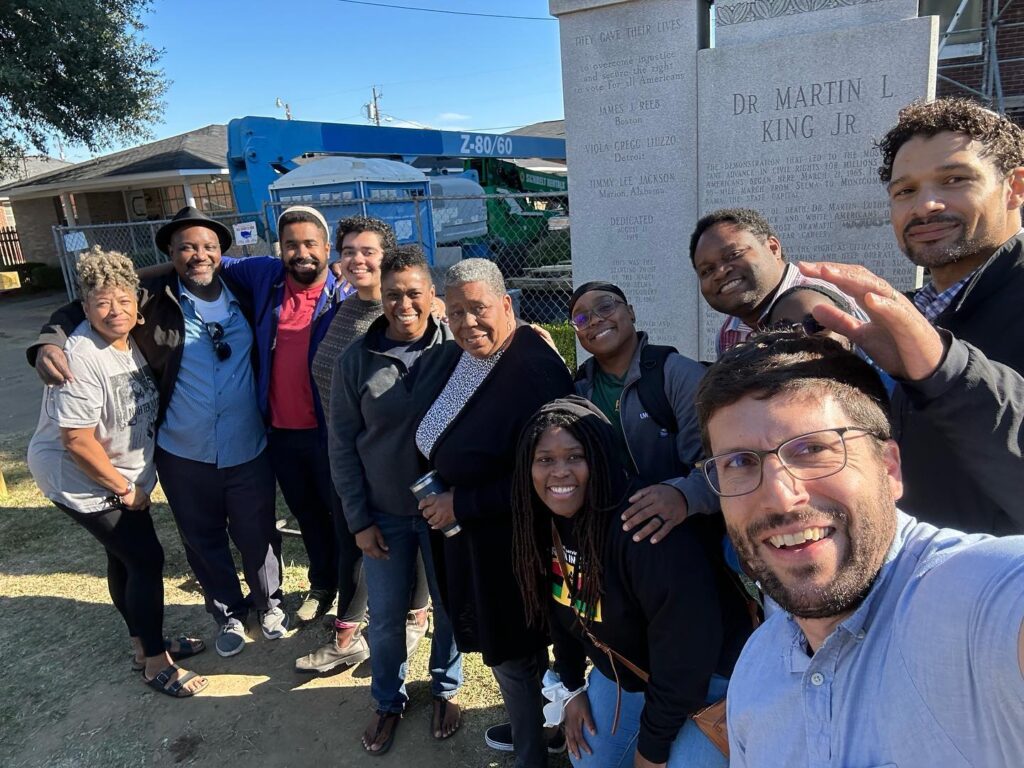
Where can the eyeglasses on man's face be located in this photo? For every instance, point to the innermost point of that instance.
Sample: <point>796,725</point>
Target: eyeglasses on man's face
<point>603,309</point>
<point>220,347</point>
<point>811,456</point>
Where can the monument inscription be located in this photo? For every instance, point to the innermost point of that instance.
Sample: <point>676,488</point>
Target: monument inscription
<point>629,85</point>
<point>794,138</point>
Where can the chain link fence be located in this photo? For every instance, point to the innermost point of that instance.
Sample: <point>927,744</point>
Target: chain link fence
<point>526,235</point>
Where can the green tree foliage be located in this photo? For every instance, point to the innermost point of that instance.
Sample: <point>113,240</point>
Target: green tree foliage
<point>75,70</point>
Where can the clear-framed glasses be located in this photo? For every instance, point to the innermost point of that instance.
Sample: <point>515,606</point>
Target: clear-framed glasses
<point>220,347</point>
<point>806,457</point>
<point>603,309</point>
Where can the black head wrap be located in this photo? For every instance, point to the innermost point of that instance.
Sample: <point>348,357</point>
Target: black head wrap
<point>595,285</point>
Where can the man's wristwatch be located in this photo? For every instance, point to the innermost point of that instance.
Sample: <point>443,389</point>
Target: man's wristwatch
<point>120,496</point>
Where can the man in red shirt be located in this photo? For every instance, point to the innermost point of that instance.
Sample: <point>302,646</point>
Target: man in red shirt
<point>294,300</point>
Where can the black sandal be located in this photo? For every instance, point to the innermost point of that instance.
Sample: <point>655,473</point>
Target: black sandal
<point>383,718</point>
<point>187,648</point>
<point>162,682</point>
<point>437,719</point>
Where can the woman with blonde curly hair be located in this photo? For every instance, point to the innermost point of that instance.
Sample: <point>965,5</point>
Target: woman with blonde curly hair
<point>92,456</point>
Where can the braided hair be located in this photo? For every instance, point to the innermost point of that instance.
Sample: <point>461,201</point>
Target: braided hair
<point>606,487</point>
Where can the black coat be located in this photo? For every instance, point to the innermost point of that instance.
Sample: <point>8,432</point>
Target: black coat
<point>475,456</point>
<point>939,489</point>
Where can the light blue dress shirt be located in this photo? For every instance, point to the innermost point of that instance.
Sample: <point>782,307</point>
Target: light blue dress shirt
<point>924,674</point>
<point>213,416</point>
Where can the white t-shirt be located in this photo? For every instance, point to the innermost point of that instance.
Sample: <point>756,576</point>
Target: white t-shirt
<point>114,392</point>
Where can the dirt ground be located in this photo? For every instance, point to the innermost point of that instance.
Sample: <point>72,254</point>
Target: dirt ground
<point>68,698</point>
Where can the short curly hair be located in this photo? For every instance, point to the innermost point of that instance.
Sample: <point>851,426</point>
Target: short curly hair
<point>1000,139</point>
<point>746,219</point>
<point>99,270</point>
<point>360,224</point>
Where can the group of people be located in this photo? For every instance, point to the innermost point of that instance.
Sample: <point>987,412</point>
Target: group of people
<point>646,516</point>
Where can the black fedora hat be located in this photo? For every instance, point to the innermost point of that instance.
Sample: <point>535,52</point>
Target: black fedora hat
<point>191,217</point>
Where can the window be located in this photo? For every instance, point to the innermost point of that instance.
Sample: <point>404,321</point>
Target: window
<point>965,38</point>
<point>214,198</point>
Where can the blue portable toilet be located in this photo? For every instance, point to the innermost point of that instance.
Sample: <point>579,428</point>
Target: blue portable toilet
<point>339,187</point>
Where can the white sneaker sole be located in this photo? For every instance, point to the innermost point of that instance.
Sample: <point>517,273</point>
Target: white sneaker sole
<point>226,654</point>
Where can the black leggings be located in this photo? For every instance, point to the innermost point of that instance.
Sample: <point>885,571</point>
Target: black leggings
<point>351,584</point>
<point>135,564</point>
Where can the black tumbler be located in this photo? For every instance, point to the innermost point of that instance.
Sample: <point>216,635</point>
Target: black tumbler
<point>429,485</point>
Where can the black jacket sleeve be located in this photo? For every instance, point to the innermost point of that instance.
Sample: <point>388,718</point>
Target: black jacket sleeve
<point>570,654</point>
<point>61,325</point>
<point>979,405</point>
<point>675,587</point>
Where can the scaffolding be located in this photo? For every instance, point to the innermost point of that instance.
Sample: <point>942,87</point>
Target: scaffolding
<point>993,15</point>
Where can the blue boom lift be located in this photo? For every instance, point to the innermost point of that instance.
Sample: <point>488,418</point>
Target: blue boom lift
<point>261,149</point>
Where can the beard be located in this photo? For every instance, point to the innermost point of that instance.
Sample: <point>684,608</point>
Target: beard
<point>869,531</point>
<point>305,278</point>
<point>932,255</point>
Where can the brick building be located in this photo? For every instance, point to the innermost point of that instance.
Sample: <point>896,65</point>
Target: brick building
<point>149,182</point>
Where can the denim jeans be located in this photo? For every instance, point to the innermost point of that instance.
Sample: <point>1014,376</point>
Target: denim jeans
<point>691,749</point>
<point>389,584</point>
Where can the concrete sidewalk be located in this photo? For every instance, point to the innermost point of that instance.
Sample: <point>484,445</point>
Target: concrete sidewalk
<point>21,317</point>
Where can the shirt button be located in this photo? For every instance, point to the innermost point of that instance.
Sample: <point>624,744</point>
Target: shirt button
<point>817,678</point>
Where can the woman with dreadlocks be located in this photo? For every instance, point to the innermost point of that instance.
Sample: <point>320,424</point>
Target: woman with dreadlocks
<point>662,625</point>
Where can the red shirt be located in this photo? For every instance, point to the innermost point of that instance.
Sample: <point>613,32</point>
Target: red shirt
<point>291,396</point>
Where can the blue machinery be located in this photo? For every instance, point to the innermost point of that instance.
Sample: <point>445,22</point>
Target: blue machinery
<point>261,149</point>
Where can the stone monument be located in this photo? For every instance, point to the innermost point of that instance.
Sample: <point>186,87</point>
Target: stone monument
<point>781,116</point>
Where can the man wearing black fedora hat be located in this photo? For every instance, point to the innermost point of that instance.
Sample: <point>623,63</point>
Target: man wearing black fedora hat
<point>211,452</point>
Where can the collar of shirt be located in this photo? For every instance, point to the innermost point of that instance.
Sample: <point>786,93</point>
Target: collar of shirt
<point>858,622</point>
<point>931,303</point>
<point>183,294</point>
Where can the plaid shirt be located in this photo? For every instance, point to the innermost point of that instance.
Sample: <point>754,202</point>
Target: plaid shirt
<point>931,303</point>
<point>734,330</point>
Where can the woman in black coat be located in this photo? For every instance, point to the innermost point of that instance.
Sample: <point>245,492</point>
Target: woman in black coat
<point>505,373</point>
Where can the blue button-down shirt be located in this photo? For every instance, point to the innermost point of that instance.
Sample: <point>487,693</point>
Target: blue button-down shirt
<point>924,673</point>
<point>214,416</point>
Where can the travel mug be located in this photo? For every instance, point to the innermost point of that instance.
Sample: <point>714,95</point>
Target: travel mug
<point>429,485</point>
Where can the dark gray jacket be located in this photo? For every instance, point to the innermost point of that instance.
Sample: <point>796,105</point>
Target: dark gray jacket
<point>653,449</point>
<point>971,474</point>
<point>374,412</point>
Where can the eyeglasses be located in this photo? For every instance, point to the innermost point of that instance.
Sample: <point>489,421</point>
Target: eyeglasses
<point>603,309</point>
<point>812,456</point>
<point>221,347</point>
<point>808,326</point>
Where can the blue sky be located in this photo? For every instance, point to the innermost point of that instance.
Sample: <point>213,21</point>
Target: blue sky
<point>231,58</point>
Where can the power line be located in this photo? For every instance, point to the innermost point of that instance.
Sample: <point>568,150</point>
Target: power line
<point>452,13</point>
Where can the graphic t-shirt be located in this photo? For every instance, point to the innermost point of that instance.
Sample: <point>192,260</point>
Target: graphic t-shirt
<point>114,392</point>
<point>291,393</point>
<point>565,587</point>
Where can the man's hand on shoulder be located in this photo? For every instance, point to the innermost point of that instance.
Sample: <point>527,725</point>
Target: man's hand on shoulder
<point>658,508</point>
<point>52,365</point>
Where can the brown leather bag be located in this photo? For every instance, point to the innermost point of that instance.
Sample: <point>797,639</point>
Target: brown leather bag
<point>710,720</point>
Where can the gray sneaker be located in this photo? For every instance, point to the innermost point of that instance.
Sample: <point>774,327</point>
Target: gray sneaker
<point>316,603</point>
<point>327,657</point>
<point>231,639</point>
<point>274,623</point>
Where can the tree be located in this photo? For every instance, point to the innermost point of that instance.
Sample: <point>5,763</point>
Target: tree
<point>75,70</point>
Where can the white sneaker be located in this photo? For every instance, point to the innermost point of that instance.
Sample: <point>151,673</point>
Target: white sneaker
<point>274,623</point>
<point>231,639</point>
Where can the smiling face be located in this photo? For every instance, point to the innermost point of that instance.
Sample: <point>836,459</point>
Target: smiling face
<point>112,312</point>
<point>737,271</point>
<point>407,296</point>
<point>814,545</point>
<point>560,472</point>
<point>604,337</point>
<point>480,321</point>
<point>304,250</point>
<point>361,254</point>
<point>195,254</point>
<point>949,204</point>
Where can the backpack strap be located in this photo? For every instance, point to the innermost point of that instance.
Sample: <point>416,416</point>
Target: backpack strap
<point>651,387</point>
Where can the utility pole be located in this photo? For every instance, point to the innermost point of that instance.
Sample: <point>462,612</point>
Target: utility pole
<point>372,109</point>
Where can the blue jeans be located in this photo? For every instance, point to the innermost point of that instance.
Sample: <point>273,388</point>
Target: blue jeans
<point>389,584</point>
<point>691,749</point>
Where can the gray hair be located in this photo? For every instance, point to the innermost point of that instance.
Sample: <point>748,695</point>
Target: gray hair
<point>475,271</point>
<point>99,270</point>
